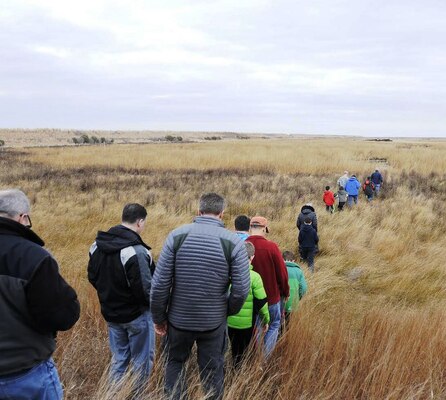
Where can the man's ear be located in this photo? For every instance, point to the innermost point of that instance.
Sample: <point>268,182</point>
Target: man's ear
<point>221,214</point>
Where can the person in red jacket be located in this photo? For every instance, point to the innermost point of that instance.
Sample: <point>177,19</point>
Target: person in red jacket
<point>329,199</point>
<point>269,263</point>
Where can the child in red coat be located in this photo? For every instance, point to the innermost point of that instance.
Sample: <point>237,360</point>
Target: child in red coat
<point>329,199</point>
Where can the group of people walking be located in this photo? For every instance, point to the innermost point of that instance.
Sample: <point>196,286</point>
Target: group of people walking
<point>208,284</point>
<point>349,188</point>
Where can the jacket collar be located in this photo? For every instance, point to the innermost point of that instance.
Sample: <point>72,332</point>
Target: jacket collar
<point>10,227</point>
<point>208,220</point>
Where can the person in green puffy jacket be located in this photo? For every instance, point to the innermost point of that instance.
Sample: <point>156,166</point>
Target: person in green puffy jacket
<point>297,282</point>
<point>241,325</point>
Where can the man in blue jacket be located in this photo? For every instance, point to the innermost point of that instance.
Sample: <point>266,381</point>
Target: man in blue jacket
<point>120,269</point>
<point>352,188</point>
<point>377,180</point>
<point>190,299</point>
<point>35,303</point>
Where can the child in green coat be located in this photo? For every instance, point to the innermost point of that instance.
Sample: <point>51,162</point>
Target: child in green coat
<point>297,282</point>
<point>241,325</point>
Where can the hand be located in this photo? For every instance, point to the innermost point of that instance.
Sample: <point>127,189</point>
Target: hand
<point>265,328</point>
<point>161,329</point>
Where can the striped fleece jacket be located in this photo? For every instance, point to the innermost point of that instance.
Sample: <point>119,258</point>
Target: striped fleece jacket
<point>197,264</point>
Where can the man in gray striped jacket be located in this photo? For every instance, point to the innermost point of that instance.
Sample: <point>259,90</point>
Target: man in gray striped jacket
<point>190,300</point>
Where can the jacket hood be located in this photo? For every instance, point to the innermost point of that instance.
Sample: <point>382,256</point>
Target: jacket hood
<point>10,227</point>
<point>117,238</point>
<point>306,227</point>
<point>306,209</point>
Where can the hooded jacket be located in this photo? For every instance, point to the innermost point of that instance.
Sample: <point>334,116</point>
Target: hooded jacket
<point>120,269</point>
<point>328,198</point>
<point>35,301</point>
<point>352,186</point>
<point>307,211</point>
<point>342,195</point>
<point>298,286</point>
<point>308,237</point>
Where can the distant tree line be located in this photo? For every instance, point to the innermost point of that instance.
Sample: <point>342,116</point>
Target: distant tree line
<point>85,139</point>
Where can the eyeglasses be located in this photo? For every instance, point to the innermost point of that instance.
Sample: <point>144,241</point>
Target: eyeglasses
<point>30,225</point>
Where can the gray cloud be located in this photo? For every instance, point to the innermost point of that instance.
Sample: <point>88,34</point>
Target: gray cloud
<point>327,67</point>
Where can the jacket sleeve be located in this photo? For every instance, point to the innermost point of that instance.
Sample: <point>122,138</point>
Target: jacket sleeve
<point>240,278</point>
<point>281,272</point>
<point>52,302</point>
<point>162,282</point>
<point>298,222</point>
<point>139,275</point>
<point>316,237</point>
<point>303,287</point>
<point>314,222</point>
<point>299,238</point>
<point>260,299</point>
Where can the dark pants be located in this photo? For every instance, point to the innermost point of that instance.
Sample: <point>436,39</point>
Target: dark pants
<point>307,254</point>
<point>211,346</point>
<point>341,205</point>
<point>240,340</point>
<point>329,208</point>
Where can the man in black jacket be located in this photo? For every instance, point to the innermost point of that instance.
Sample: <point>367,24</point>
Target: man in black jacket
<point>120,269</point>
<point>35,303</point>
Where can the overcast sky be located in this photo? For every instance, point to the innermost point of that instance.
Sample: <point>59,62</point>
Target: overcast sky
<point>358,67</point>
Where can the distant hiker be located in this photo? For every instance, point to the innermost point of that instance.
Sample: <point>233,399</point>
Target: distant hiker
<point>308,242</point>
<point>35,303</point>
<point>307,211</point>
<point>342,196</point>
<point>297,282</point>
<point>342,181</point>
<point>120,269</point>
<point>352,187</point>
<point>269,263</point>
<point>368,188</point>
<point>329,199</point>
<point>241,325</point>
<point>241,224</point>
<point>190,299</point>
<point>377,180</point>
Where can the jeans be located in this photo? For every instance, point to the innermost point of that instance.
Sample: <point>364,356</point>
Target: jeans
<point>351,198</point>
<point>40,382</point>
<point>272,333</point>
<point>377,187</point>
<point>134,342</point>
<point>211,347</point>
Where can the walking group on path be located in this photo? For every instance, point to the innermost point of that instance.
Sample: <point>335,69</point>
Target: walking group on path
<point>209,284</point>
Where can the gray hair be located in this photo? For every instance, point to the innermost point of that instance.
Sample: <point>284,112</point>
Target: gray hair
<point>13,202</point>
<point>211,203</point>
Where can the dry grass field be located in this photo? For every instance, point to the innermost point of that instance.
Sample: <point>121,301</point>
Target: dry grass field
<point>372,325</point>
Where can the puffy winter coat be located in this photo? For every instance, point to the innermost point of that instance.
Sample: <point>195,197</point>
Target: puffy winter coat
<point>256,303</point>
<point>307,211</point>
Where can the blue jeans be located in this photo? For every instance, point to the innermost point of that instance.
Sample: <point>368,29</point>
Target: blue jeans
<point>351,198</point>
<point>377,187</point>
<point>132,342</point>
<point>272,333</point>
<point>40,382</point>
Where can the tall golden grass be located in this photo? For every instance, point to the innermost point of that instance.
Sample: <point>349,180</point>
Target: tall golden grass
<point>373,323</point>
